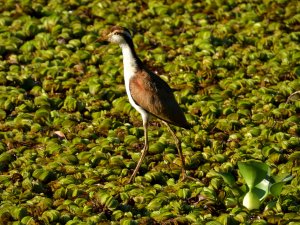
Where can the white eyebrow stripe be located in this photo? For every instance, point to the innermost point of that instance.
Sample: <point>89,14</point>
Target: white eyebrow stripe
<point>124,32</point>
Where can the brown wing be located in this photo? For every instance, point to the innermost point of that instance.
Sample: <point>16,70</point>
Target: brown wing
<point>155,96</point>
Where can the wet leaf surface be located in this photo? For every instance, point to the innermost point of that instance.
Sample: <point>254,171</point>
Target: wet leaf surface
<point>69,138</point>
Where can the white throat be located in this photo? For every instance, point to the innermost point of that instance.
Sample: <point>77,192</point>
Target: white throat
<point>130,68</point>
<point>129,62</point>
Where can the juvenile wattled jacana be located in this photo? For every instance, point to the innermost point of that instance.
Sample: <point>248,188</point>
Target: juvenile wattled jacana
<point>147,92</point>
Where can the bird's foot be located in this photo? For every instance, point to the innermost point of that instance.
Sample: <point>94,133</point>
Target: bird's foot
<point>130,180</point>
<point>186,177</point>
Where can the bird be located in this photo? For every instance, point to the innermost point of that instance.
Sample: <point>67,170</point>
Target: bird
<point>149,94</point>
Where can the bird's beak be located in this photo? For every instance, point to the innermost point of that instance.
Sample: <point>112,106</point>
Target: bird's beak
<point>104,37</point>
<point>102,40</point>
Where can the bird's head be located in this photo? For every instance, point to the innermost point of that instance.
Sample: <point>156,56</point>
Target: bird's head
<point>117,35</point>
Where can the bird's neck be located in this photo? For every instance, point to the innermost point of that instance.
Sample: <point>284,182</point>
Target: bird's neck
<point>131,61</point>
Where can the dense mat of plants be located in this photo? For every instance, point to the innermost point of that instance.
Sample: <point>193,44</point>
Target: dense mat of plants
<point>69,139</point>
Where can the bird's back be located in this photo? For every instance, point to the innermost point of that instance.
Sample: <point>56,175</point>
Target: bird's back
<point>155,96</point>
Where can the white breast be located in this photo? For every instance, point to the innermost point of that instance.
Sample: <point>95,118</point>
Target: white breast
<point>130,68</point>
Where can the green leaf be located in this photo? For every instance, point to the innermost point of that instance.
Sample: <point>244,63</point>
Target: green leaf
<point>276,188</point>
<point>156,203</point>
<point>251,201</point>
<point>19,212</point>
<point>156,148</point>
<point>127,222</point>
<point>5,159</point>
<point>107,200</point>
<point>213,223</point>
<point>184,193</point>
<point>262,189</point>
<point>280,180</point>
<point>70,104</point>
<point>253,172</point>
<point>295,156</point>
<point>228,178</point>
<point>50,216</point>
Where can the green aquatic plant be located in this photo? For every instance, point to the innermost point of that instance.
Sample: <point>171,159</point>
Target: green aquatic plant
<point>260,183</point>
<point>69,137</point>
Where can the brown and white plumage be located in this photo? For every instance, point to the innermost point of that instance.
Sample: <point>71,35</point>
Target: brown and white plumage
<point>147,92</point>
<point>157,98</point>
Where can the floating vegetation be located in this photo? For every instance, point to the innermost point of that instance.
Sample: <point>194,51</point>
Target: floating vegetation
<point>69,139</point>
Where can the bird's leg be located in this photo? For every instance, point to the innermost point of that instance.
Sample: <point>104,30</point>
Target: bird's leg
<point>144,152</point>
<point>178,146</point>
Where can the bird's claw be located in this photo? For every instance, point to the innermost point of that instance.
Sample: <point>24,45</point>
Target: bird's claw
<point>187,177</point>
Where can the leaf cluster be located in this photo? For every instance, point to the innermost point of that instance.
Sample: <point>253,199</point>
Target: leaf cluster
<point>69,139</point>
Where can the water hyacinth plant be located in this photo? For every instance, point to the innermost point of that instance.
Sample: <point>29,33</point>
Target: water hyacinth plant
<point>69,138</point>
<point>260,183</point>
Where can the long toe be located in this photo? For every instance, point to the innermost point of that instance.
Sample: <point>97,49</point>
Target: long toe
<point>186,177</point>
